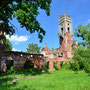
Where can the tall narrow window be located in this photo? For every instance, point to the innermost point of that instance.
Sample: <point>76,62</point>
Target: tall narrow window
<point>68,30</point>
<point>62,30</point>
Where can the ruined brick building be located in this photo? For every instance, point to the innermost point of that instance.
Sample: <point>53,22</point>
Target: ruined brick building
<point>11,58</point>
<point>64,52</point>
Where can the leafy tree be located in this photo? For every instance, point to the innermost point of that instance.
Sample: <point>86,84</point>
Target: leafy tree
<point>82,54</point>
<point>26,12</point>
<point>84,33</point>
<point>82,58</point>
<point>8,44</point>
<point>34,48</point>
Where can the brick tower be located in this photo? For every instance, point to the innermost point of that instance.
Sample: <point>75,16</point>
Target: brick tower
<point>65,35</point>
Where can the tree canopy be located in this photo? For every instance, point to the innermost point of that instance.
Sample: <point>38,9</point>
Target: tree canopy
<point>26,12</point>
<point>84,33</point>
<point>81,55</point>
<point>33,48</point>
<point>8,44</point>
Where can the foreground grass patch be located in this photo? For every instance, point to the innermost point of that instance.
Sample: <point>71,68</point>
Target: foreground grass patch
<point>55,80</point>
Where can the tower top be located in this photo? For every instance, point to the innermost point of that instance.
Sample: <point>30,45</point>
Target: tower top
<point>64,14</point>
<point>65,24</point>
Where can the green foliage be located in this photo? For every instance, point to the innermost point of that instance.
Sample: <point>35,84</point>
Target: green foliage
<point>14,69</point>
<point>33,48</point>
<point>26,12</point>
<point>8,44</point>
<point>61,16</point>
<point>81,55</point>
<point>75,67</point>
<point>87,67</point>
<point>36,70</point>
<point>58,34</point>
<point>84,33</point>
<point>61,64</point>
<point>66,65</point>
<point>68,16</point>
<point>55,80</point>
<point>47,65</point>
<point>55,66</point>
<point>29,65</point>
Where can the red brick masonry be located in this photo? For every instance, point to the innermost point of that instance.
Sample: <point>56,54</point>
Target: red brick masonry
<point>20,58</point>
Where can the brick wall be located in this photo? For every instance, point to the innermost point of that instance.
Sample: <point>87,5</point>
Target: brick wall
<point>20,58</point>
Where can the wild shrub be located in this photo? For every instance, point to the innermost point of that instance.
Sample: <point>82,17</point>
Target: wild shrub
<point>55,66</point>
<point>75,67</point>
<point>81,55</point>
<point>47,65</point>
<point>66,65</point>
<point>87,67</point>
<point>14,69</point>
<point>61,64</point>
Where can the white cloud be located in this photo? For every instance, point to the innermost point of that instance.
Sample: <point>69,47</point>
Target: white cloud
<point>16,43</point>
<point>14,49</point>
<point>88,21</point>
<point>18,38</point>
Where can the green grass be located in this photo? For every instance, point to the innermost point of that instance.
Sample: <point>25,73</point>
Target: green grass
<point>55,80</point>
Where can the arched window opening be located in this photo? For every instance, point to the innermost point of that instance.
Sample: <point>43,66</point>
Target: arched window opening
<point>62,30</point>
<point>29,64</point>
<point>61,40</point>
<point>68,30</point>
<point>61,53</point>
<point>9,64</point>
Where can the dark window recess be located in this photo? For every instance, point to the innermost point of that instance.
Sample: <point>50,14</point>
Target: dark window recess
<point>61,40</point>
<point>68,30</point>
<point>61,53</point>
<point>62,30</point>
<point>9,64</point>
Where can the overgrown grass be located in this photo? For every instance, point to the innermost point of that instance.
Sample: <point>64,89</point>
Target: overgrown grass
<point>55,80</point>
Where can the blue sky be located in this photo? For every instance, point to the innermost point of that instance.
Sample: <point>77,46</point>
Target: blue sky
<point>79,10</point>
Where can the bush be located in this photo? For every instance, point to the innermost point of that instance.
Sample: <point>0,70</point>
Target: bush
<point>87,67</point>
<point>29,65</point>
<point>26,71</point>
<point>36,70</point>
<point>66,65</point>
<point>14,69</point>
<point>75,67</point>
<point>61,64</point>
<point>8,72</point>
<point>45,69</point>
<point>55,66</point>
<point>47,64</point>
